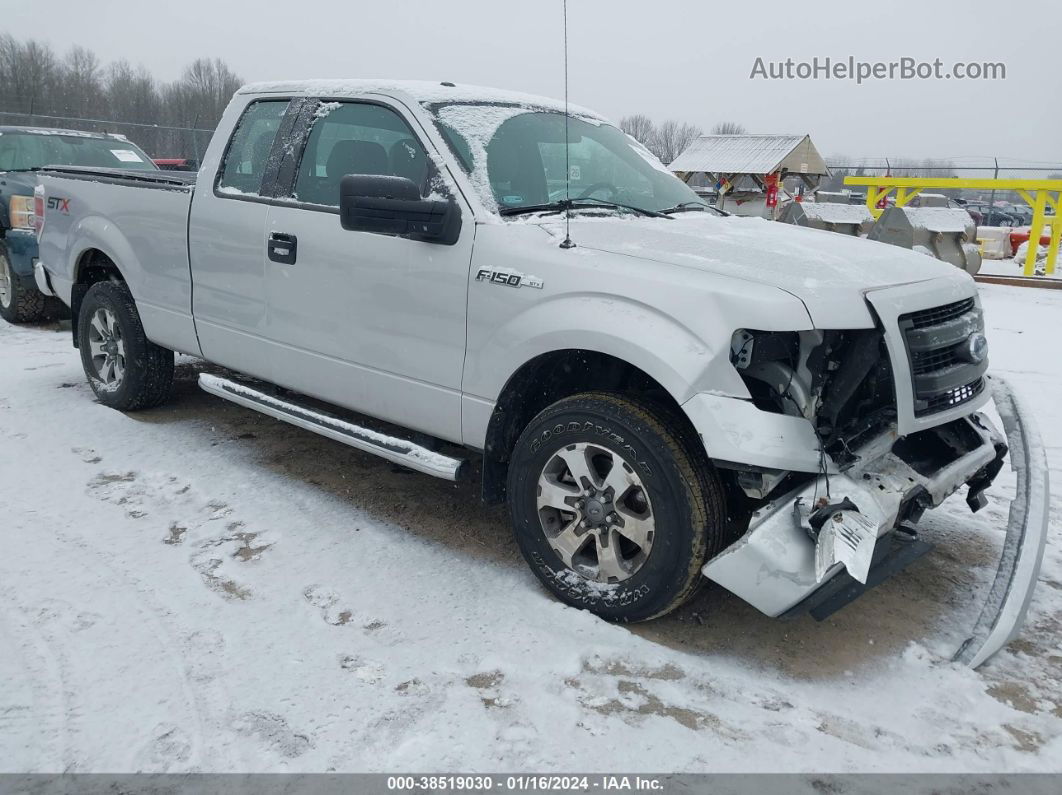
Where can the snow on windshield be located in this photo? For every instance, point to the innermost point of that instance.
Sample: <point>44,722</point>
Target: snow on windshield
<point>325,108</point>
<point>477,124</point>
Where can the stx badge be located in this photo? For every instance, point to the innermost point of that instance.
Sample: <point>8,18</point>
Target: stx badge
<point>62,205</point>
<point>508,278</point>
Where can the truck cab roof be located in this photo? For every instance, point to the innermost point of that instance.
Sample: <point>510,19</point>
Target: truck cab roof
<point>423,92</point>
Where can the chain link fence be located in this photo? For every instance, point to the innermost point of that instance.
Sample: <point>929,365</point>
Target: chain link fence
<point>984,168</point>
<point>158,140</point>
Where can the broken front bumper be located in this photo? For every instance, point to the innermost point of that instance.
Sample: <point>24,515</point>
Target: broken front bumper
<point>773,566</point>
<point>1023,550</point>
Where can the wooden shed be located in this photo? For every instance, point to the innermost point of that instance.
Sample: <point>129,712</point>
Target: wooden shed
<point>740,169</point>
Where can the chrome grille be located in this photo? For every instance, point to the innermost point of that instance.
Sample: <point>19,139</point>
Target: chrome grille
<point>928,361</point>
<point>939,314</point>
<point>943,374</point>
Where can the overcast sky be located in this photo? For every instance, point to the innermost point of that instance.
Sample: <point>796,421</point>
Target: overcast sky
<point>688,59</point>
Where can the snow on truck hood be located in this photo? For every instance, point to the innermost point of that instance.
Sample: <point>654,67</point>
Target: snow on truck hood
<point>829,272</point>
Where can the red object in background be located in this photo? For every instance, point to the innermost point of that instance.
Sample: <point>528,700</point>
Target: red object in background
<point>1019,236</point>
<point>772,190</point>
<point>883,202</point>
<point>175,163</point>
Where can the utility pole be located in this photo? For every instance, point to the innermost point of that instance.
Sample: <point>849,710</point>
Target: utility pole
<point>195,140</point>
<point>992,199</point>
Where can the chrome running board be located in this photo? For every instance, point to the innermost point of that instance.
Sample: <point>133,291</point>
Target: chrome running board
<point>390,448</point>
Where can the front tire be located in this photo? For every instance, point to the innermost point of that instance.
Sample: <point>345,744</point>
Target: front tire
<point>614,506</point>
<point>125,369</point>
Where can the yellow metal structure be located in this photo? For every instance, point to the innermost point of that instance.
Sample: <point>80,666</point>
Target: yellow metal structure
<point>1043,195</point>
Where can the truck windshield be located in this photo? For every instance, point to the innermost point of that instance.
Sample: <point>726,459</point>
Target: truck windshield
<point>22,151</point>
<point>516,158</point>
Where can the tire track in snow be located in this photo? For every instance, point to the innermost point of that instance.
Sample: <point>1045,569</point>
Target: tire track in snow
<point>206,699</point>
<point>151,619</point>
<point>44,679</point>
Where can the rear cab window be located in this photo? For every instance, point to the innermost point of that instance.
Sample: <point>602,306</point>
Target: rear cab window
<point>22,151</point>
<point>247,157</point>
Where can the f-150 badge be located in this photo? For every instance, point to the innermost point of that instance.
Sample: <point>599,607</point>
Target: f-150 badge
<point>508,278</point>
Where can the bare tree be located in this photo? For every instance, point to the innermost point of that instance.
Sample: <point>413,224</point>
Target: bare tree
<point>729,128</point>
<point>639,127</point>
<point>132,95</point>
<point>27,73</point>
<point>79,91</point>
<point>840,166</point>
<point>937,167</point>
<point>672,138</point>
<point>85,95</point>
<point>207,85</point>
<point>904,167</point>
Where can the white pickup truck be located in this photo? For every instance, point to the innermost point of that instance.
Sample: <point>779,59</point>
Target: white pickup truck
<point>662,393</point>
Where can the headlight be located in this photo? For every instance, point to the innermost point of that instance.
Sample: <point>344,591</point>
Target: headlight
<point>768,362</point>
<point>20,212</point>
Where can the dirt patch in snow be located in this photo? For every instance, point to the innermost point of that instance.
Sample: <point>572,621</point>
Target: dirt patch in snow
<point>871,630</point>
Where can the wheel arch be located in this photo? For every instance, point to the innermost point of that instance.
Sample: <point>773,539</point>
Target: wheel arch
<point>549,377</point>
<point>91,265</point>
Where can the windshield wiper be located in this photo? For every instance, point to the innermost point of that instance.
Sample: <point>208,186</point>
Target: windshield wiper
<point>611,204</point>
<point>587,203</point>
<point>691,206</point>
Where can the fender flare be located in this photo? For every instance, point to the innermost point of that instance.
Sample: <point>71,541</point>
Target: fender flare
<point>674,356</point>
<point>96,233</point>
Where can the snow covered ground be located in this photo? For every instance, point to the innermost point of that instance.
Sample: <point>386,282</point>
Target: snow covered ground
<point>202,588</point>
<point>1012,267</point>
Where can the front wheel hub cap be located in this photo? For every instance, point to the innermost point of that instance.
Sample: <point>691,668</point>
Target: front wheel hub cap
<point>595,512</point>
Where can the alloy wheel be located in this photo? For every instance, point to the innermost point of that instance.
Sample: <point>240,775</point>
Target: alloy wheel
<point>595,512</point>
<point>107,347</point>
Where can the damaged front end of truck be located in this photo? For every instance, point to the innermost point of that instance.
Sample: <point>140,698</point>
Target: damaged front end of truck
<point>895,412</point>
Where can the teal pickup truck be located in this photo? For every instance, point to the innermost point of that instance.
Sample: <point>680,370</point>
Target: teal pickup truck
<point>22,151</point>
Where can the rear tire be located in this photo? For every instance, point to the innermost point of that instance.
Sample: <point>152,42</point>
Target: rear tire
<point>650,525</point>
<point>18,303</point>
<point>125,369</point>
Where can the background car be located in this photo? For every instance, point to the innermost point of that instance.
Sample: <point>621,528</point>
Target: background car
<point>22,151</point>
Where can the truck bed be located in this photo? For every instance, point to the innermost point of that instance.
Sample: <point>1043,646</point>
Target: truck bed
<point>137,220</point>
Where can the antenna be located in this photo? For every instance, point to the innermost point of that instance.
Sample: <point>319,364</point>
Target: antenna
<point>567,165</point>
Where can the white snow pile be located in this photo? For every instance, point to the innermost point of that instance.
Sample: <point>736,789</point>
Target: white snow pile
<point>201,588</point>
<point>940,219</point>
<point>1023,251</point>
<point>837,213</point>
<point>325,108</point>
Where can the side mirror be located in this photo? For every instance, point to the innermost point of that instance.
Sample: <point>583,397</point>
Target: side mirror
<point>393,206</point>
